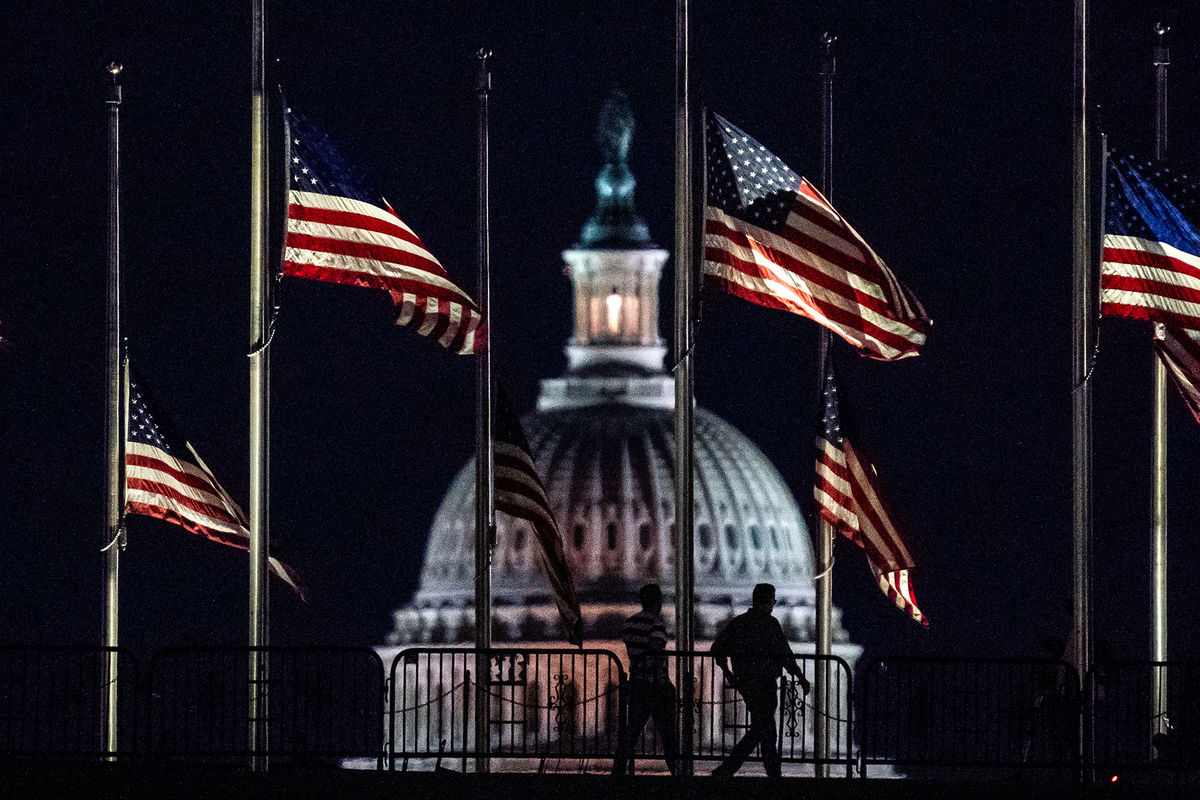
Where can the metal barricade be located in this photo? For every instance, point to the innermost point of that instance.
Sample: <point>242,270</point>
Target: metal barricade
<point>543,704</point>
<point>1124,703</point>
<point>940,717</point>
<point>53,700</point>
<point>718,716</point>
<point>324,704</point>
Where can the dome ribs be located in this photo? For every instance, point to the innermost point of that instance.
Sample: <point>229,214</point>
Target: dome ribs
<point>608,473</point>
<point>639,464</point>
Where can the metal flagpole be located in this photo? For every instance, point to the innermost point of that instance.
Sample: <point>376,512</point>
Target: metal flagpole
<point>1162,59</point>
<point>113,438</point>
<point>824,579</point>
<point>485,499</point>
<point>260,421</point>
<point>684,387</point>
<point>1083,321</point>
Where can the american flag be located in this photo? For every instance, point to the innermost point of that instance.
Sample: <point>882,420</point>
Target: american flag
<point>771,238</point>
<point>1151,263</point>
<point>1179,349</point>
<point>1150,268</point>
<point>165,478</point>
<point>848,497</point>
<point>339,232</point>
<point>520,493</point>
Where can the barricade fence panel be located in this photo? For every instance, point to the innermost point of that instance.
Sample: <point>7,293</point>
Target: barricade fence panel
<point>541,703</point>
<point>570,704</point>
<point>1126,697</point>
<point>323,703</point>
<point>717,716</point>
<point>922,716</point>
<point>53,701</point>
<point>1005,713</point>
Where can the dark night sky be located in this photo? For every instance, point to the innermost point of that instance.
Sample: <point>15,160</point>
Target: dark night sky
<point>952,158</point>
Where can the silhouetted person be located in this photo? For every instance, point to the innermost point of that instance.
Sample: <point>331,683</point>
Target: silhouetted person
<point>651,693</point>
<point>755,643</point>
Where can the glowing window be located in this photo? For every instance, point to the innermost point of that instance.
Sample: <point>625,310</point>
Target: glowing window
<point>613,304</point>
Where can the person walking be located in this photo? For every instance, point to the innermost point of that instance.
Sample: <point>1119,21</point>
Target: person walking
<point>755,643</point>
<point>651,693</point>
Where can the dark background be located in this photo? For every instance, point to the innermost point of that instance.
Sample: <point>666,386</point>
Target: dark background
<point>952,157</point>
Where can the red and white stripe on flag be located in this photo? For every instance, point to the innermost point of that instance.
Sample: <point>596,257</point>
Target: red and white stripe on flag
<point>1151,280</point>
<point>160,485</point>
<point>897,588</point>
<point>819,267</point>
<point>519,492</point>
<point>848,498</point>
<point>1179,350</point>
<point>343,240</point>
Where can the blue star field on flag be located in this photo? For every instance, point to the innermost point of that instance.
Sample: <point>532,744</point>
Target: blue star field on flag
<point>1152,200</point>
<point>745,179</point>
<point>771,238</point>
<point>340,232</point>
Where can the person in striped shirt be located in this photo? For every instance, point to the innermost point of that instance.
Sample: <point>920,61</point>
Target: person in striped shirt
<point>651,692</point>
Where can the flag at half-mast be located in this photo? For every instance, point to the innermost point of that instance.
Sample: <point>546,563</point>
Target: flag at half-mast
<point>338,231</point>
<point>1150,267</point>
<point>771,238</point>
<point>1179,349</point>
<point>848,497</point>
<point>165,478</point>
<point>520,493</point>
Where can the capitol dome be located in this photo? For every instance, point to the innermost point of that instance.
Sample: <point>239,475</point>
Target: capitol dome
<point>608,470</point>
<point>603,439</point>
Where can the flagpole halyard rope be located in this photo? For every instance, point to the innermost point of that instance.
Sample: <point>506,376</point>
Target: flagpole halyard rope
<point>679,361</point>
<point>271,324</point>
<point>1095,357</point>
<point>825,571</point>
<point>116,538</point>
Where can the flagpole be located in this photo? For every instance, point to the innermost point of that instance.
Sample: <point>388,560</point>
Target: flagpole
<point>1083,319</point>
<point>112,416</point>
<point>485,497</point>
<point>684,381</point>
<point>824,579</point>
<point>1162,59</point>
<point>260,421</point>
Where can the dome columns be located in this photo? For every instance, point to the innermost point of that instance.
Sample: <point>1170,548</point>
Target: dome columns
<point>616,309</point>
